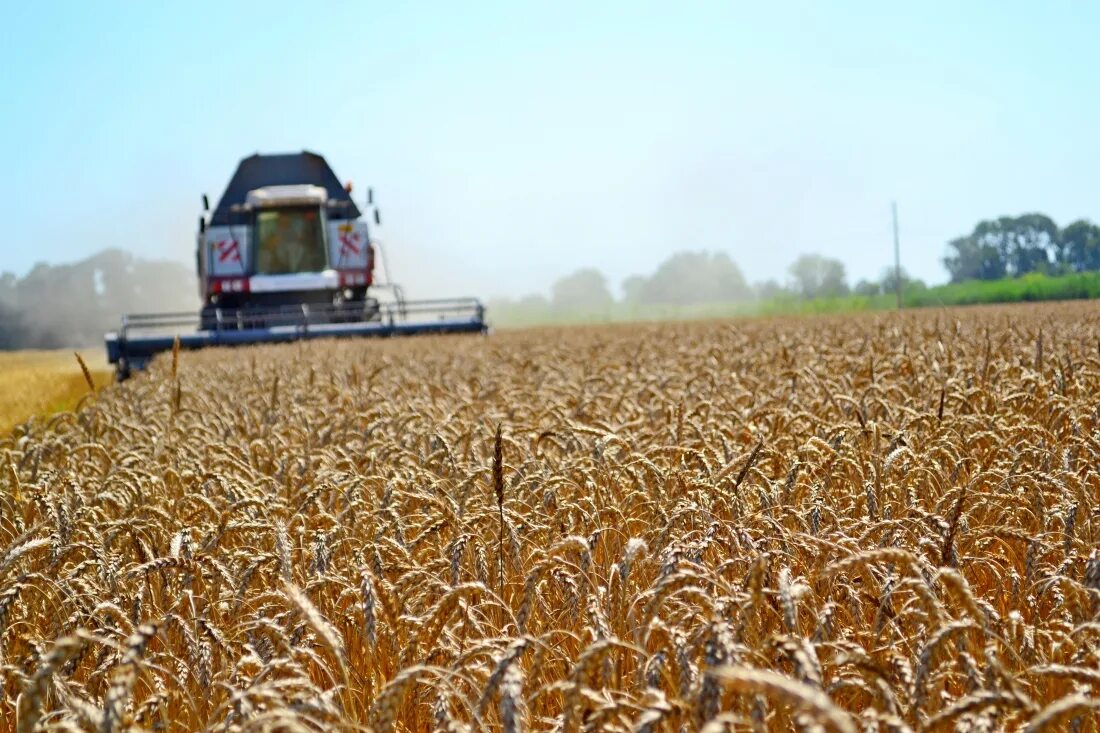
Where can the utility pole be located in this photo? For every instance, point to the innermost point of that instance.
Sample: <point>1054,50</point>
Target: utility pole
<point>897,253</point>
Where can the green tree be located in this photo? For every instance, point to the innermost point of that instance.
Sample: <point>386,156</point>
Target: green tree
<point>8,283</point>
<point>13,333</point>
<point>74,304</point>
<point>584,290</point>
<point>634,288</point>
<point>1079,246</point>
<point>688,278</point>
<point>815,276</point>
<point>969,259</point>
<point>890,279</point>
<point>867,288</point>
<point>534,302</point>
<point>769,289</point>
<point>1028,242</point>
<point>1004,246</point>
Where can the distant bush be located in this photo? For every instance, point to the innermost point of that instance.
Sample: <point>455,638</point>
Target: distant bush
<point>1026,288</point>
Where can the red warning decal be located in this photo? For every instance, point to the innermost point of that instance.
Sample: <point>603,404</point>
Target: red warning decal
<point>228,251</point>
<point>350,241</point>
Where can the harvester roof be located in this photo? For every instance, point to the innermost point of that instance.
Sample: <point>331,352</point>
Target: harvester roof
<point>258,171</point>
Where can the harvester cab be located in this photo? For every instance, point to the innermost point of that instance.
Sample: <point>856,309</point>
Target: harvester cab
<point>287,255</point>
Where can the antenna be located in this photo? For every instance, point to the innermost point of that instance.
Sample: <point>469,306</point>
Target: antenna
<point>897,253</point>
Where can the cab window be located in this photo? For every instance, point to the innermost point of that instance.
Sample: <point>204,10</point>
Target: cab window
<point>289,240</point>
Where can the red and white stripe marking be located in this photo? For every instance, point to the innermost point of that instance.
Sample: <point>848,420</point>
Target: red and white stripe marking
<point>228,250</point>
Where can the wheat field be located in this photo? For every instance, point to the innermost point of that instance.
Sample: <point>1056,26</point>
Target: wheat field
<point>41,383</point>
<point>874,523</point>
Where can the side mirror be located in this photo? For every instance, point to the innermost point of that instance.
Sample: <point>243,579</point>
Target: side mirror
<point>377,218</point>
<point>202,225</point>
<point>205,203</point>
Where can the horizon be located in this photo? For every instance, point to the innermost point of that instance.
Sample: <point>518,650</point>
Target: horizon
<point>510,147</point>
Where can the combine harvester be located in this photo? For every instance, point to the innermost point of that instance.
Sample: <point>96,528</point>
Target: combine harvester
<point>286,255</point>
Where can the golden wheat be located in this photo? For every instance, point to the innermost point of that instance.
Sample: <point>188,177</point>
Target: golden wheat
<point>884,522</point>
<point>38,384</point>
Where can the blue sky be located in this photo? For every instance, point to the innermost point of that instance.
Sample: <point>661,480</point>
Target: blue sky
<point>512,143</point>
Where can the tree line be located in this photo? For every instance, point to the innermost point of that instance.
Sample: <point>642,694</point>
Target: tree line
<point>995,249</point>
<point>697,278</point>
<point>74,304</point>
<point>55,306</point>
<point>1013,246</point>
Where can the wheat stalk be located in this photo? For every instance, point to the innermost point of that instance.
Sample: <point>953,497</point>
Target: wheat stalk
<point>87,374</point>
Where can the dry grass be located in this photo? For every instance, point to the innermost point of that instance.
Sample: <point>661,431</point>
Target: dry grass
<point>41,383</point>
<point>877,523</point>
